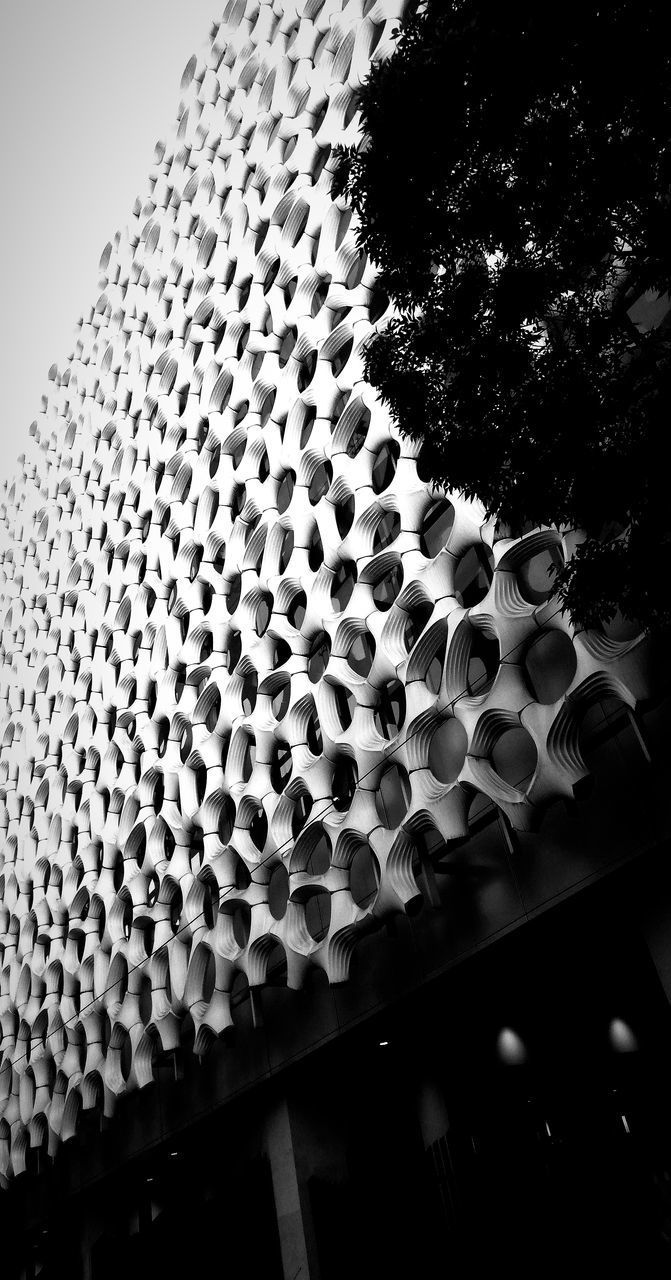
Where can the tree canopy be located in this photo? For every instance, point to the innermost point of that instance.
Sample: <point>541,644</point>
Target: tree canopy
<point>514,187</point>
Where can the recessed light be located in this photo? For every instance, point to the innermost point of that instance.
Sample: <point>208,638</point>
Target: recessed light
<point>383,1044</point>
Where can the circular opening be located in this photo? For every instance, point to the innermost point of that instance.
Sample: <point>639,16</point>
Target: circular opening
<point>163,734</point>
<point>281,766</point>
<point>176,904</point>
<point>514,757</point>
<point>263,614</point>
<point>321,482</point>
<point>258,828</point>
<point>384,467</point>
<point>550,663</point>
<point>301,813</point>
<point>196,561</point>
<point>243,878</point>
<point>535,577</point>
<point>362,653</point>
<point>344,514</point>
<point>233,650</point>
<point>215,459</point>
<point>344,581</point>
<point>151,698</point>
<point>306,370</point>
<point>241,918</point>
<point>280,702</point>
<point>317,908</point>
<point>416,623</point>
<point>319,858</point>
<point>387,531</point>
<point>233,593</point>
<point>159,793</point>
<point>473,575</point>
<point>344,782</point>
<point>447,750</point>
<point>392,798</point>
<point>213,713</point>
<point>226,820</point>
<point>285,491</point>
<point>278,892</point>
<point>359,433</point>
<point>201,782</point>
<point>126,1054</point>
<point>309,419</point>
<point>436,527</point>
<point>288,344</point>
<point>355,275</point>
<point>276,965</point>
<point>249,692</point>
<point>238,500</point>
<point>141,848</point>
<point>297,609</point>
<point>386,590</point>
<point>209,977</point>
<point>320,294</point>
<point>266,410</point>
<point>342,355</point>
<point>281,653</point>
<point>249,757</point>
<point>320,653</point>
<point>314,735</point>
<point>210,900</point>
<point>389,713</point>
<point>286,550</point>
<point>196,849</point>
<point>345,704</point>
<point>434,671</point>
<point>364,876</point>
<point>483,663</point>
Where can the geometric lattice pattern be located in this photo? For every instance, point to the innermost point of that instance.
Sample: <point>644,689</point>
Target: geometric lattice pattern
<point>249,655</point>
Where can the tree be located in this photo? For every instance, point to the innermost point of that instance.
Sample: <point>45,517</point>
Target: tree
<point>514,187</point>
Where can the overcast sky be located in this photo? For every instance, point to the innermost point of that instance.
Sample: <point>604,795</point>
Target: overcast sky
<point>86,89</point>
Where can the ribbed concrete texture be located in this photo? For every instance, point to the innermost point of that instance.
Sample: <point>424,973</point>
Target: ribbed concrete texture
<point>249,654</point>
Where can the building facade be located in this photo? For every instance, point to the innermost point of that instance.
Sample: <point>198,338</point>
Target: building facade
<point>333,900</point>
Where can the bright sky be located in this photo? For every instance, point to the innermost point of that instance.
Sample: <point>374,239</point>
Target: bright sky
<point>86,89</point>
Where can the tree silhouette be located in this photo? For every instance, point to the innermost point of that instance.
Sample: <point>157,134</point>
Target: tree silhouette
<point>514,187</point>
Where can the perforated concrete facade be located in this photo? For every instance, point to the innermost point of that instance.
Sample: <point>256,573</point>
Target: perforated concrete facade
<point>249,656</point>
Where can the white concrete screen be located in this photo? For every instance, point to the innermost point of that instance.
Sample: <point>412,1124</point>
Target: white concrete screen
<point>248,654</point>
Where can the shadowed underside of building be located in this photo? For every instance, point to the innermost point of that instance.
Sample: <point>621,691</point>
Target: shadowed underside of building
<point>333,894</point>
